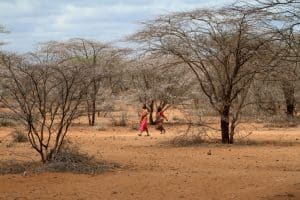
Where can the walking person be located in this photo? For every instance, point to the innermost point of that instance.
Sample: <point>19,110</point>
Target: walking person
<point>160,120</point>
<point>144,121</point>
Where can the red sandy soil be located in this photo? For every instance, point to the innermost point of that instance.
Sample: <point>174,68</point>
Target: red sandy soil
<point>267,169</point>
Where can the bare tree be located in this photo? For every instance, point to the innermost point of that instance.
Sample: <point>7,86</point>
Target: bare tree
<point>290,68</point>
<point>284,18</point>
<point>44,90</point>
<point>103,60</point>
<point>224,48</point>
<point>152,82</point>
<point>289,9</point>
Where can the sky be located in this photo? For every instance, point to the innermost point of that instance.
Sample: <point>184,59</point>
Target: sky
<point>31,22</point>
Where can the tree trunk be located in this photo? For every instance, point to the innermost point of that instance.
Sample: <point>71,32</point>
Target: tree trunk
<point>289,95</point>
<point>290,109</point>
<point>93,112</point>
<point>225,125</point>
<point>43,157</point>
<point>151,107</point>
<point>94,99</point>
<point>231,134</point>
<point>89,113</point>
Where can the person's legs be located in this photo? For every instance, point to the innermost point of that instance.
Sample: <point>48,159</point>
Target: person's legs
<point>161,129</point>
<point>147,131</point>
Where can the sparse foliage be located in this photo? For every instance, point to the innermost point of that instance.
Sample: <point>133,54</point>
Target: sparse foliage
<point>159,82</point>
<point>223,48</point>
<point>44,90</point>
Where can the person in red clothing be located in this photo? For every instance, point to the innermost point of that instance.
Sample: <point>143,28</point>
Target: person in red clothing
<point>160,120</point>
<point>144,121</point>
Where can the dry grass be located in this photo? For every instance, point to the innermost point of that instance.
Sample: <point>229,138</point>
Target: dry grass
<point>6,122</point>
<point>70,159</point>
<point>187,140</point>
<point>283,122</point>
<point>19,136</point>
<point>135,127</point>
<point>15,167</point>
<point>100,128</point>
<point>120,121</point>
<point>249,142</point>
<point>8,119</point>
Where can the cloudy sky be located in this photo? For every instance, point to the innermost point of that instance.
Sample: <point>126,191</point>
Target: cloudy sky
<point>34,21</point>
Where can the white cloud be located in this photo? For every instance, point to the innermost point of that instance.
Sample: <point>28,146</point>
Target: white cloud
<point>33,21</point>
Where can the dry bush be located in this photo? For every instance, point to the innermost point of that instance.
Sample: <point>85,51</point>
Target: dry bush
<point>19,136</point>
<point>14,167</point>
<point>120,121</point>
<point>8,119</point>
<point>178,120</point>
<point>135,127</point>
<point>281,121</point>
<point>194,135</point>
<point>175,118</point>
<point>187,140</point>
<point>69,159</point>
<point>100,128</point>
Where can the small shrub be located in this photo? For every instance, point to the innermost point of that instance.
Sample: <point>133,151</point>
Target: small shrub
<point>19,136</point>
<point>122,121</point>
<point>9,145</point>
<point>282,122</point>
<point>13,167</point>
<point>187,140</point>
<point>175,118</point>
<point>8,119</point>
<point>69,159</point>
<point>135,127</point>
<point>100,128</point>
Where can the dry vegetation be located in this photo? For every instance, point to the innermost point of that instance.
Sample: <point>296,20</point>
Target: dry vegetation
<point>69,159</point>
<point>228,79</point>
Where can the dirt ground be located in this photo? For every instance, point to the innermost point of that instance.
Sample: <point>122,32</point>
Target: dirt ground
<point>267,168</point>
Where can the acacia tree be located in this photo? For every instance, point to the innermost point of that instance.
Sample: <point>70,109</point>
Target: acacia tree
<point>289,9</point>
<point>44,90</point>
<point>284,18</point>
<point>152,81</point>
<point>289,81</point>
<point>101,59</point>
<point>287,71</point>
<point>223,48</point>
<point>289,68</point>
<point>276,88</point>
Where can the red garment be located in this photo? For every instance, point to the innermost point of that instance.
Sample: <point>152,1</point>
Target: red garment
<point>144,121</point>
<point>144,125</point>
<point>160,117</point>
